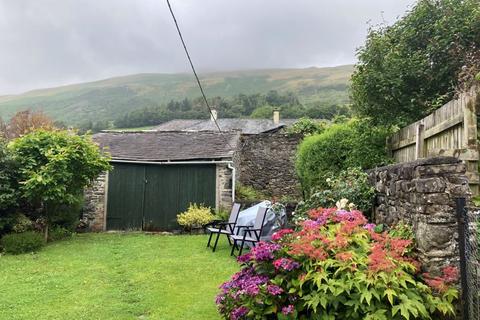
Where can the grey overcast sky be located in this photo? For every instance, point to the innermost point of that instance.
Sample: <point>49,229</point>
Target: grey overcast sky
<point>48,43</point>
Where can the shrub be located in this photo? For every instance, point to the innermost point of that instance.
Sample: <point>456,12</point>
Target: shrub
<point>16,243</point>
<point>59,233</point>
<point>22,224</point>
<point>351,184</point>
<point>352,144</point>
<point>196,216</point>
<point>335,267</point>
<point>306,127</point>
<point>248,193</point>
<point>222,214</point>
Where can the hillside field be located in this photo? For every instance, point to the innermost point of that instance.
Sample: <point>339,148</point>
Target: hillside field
<point>107,99</point>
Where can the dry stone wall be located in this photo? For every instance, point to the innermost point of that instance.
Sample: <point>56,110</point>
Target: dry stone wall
<point>422,193</point>
<point>95,202</point>
<point>267,163</point>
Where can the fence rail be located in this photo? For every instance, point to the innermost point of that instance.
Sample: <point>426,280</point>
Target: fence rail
<point>449,131</point>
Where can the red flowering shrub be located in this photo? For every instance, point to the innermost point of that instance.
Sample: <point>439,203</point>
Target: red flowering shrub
<point>335,267</point>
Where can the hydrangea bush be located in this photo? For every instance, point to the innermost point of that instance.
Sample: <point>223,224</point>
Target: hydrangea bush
<point>335,266</point>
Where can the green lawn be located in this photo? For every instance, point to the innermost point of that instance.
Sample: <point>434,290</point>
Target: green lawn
<point>115,276</point>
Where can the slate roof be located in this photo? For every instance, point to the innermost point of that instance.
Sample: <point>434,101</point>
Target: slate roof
<point>168,145</point>
<point>247,126</point>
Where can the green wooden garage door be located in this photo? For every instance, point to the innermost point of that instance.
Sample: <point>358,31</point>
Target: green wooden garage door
<point>149,197</point>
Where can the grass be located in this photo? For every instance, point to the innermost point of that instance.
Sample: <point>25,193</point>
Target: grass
<point>115,276</point>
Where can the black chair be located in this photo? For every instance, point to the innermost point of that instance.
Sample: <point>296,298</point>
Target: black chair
<point>223,227</point>
<point>251,234</point>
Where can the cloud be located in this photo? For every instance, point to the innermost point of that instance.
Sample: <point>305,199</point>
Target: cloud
<point>53,42</point>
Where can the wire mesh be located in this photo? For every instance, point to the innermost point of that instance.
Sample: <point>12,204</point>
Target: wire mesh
<point>472,259</point>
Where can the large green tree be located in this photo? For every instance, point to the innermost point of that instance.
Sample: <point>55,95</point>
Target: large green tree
<point>55,167</point>
<point>412,67</point>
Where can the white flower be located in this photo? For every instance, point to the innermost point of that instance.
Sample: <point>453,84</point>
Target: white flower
<point>342,204</point>
<point>352,206</point>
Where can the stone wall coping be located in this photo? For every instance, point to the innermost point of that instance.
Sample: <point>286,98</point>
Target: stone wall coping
<point>420,162</point>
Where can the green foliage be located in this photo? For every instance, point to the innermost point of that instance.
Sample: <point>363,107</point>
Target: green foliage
<point>196,216</point>
<point>222,214</point>
<point>16,243</point>
<point>67,216</point>
<point>59,233</point>
<point>22,223</point>
<point>54,168</point>
<point>351,184</point>
<point>407,70</point>
<point>307,127</point>
<point>8,181</point>
<point>353,144</point>
<point>248,193</point>
<point>335,267</point>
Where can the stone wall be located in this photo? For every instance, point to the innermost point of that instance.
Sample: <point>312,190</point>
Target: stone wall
<point>267,163</point>
<point>95,204</point>
<point>422,193</point>
<point>224,187</point>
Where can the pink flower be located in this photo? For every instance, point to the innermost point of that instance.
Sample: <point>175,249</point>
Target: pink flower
<point>288,309</point>
<point>280,234</point>
<point>245,258</point>
<point>285,264</point>
<point>274,290</point>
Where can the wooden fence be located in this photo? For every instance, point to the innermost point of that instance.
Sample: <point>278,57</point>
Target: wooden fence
<point>450,131</point>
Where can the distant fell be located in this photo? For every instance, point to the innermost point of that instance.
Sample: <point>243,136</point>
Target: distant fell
<point>109,98</point>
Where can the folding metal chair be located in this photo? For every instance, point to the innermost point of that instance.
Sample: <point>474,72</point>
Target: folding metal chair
<point>224,227</point>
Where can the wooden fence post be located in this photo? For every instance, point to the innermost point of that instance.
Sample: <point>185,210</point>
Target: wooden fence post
<point>470,137</point>
<point>420,141</point>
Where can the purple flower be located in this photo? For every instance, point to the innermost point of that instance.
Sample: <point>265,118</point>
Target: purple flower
<point>274,290</point>
<point>285,264</point>
<point>288,309</point>
<point>370,226</point>
<point>245,258</point>
<point>238,313</point>
<point>245,282</point>
<point>263,251</point>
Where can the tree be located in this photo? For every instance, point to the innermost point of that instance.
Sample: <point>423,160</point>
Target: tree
<point>24,122</point>
<point>55,167</point>
<point>407,70</point>
<point>8,188</point>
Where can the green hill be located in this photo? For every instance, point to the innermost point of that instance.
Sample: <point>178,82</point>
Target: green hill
<point>107,99</point>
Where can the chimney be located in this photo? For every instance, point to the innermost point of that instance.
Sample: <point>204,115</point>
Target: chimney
<point>213,115</point>
<point>276,117</point>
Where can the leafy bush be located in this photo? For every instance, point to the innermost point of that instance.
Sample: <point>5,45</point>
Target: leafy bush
<point>67,216</point>
<point>195,216</point>
<point>307,127</point>
<point>59,233</point>
<point>248,193</point>
<point>351,184</point>
<point>353,144</point>
<point>335,267</point>
<point>55,167</point>
<point>22,224</point>
<point>222,214</point>
<point>16,243</point>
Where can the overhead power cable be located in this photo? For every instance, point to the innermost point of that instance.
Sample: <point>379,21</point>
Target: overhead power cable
<point>213,116</point>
